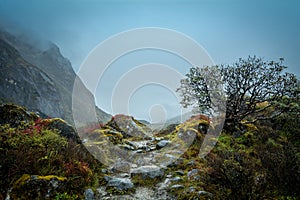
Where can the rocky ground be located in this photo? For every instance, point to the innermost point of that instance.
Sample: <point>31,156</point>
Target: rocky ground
<point>144,171</point>
<point>125,159</point>
<point>144,167</point>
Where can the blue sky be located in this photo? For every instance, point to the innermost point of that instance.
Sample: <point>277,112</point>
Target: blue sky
<point>227,29</point>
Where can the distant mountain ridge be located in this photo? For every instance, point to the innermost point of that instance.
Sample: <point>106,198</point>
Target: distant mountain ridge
<point>41,80</point>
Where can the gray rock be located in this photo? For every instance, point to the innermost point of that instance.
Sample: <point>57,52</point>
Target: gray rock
<point>120,184</point>
<point>164,185</point>
<point>152,147</point>
<point>192,189</point>
<point>158,138</point>
<point>100,192</point>
<point>191,163</point>
<point>134,166</point>
<point>142,145</point>
<point>7,195</point>
<point>162,143</point>
<point>124,175</point>
<point>148,171</point>
<point>147,148</point>
<point>167,181</point>
<point>107,178</point>
<point>177,186</point>
<point>196,178</point>
<point>132,144</point>
<point>204,193</point>
<point>174,161</point>
<point>144,193</point>
<point>127,147</point>
<point>179,172</point>
<point>169,176</point>
<point>191,173</point>
<point>139,151</point>
<point>89,194</point>
<point>176,179</point>
<point>121,166</point>
<point>66,130</point>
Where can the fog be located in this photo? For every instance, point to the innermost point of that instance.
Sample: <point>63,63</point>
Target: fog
<point>227,30</point>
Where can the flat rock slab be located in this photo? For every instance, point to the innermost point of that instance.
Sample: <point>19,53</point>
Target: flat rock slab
<point>148,171</point>
<point>120,184</point>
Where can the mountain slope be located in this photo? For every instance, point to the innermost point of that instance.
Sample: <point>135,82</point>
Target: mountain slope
<point>18,77</point>
<point>58,69</point>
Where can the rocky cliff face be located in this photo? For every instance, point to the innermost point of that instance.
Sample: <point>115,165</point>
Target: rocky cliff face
<point>45,84</point>
<point>25,84</point>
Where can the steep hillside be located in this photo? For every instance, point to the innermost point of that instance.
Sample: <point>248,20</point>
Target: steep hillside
<point>27,85</point>
<point>57,68</point>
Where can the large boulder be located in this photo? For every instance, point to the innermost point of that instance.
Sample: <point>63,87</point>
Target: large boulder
<point>16,116</point>
<point>129,126</point>
<point>64,129</point>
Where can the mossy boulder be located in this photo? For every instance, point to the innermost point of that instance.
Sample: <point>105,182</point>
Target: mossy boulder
<point>198,124</point>
<point>187,135</point>
<point>129,127</point>
<point>114,136</point>
<point>38,187</point>
<point>15,115</point>
<point>169,129</point>
<point>120,186</point>
<point>64,129</point>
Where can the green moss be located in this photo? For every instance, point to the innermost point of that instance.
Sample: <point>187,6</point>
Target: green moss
<point>49,177</point>
<point>26,177</point>
<point>21,181</point>
<point>114,136</point>
<point>194,124</point>
<point>250,127</point>
<point>138,123</point>
<point>15,115</point>
<point>37,187</point>
<point>66,196</point>
<point>54,120</point>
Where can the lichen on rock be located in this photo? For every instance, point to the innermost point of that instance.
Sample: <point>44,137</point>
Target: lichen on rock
<point>37,187</point>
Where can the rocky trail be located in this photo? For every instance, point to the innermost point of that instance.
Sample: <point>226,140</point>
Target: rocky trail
<point>145,173</point>
<point>121,174</point>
